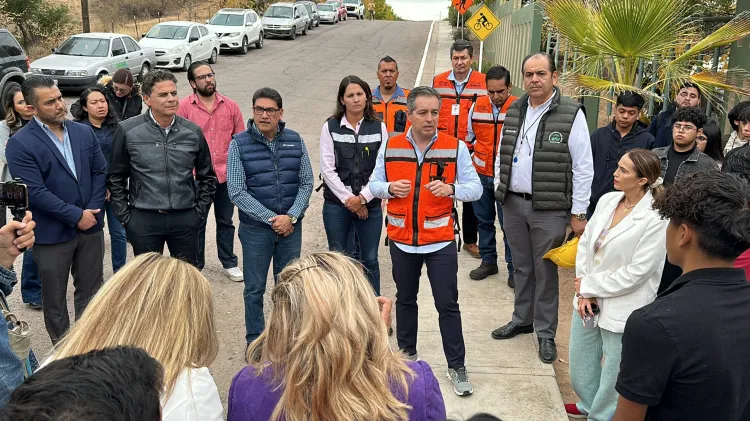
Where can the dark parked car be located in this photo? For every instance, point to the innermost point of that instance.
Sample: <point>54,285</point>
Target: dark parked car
<point>312,10</point>
<point>13,64</point>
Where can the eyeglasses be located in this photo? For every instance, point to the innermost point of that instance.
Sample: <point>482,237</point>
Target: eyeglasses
<point>206,76</point>
<point>684,128</point>
<point>121,90</point>
<point>270,111</point>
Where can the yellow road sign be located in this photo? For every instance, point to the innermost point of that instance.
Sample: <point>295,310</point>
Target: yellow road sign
<point>483,22</point>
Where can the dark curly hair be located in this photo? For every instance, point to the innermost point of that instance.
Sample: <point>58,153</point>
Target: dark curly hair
<point>690,115</point>
<point>740,112</point>
<point>738,162</point>
<point>716,205</point>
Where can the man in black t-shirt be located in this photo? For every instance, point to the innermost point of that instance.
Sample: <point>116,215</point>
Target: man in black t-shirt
<point>686,356</point>
<point>680,159</point>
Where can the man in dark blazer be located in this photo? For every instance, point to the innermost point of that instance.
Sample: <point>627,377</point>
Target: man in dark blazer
<point>61,163</point>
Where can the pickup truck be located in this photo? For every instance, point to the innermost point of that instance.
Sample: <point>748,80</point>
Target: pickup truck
<point>355,8</point>
<point>82,59</point>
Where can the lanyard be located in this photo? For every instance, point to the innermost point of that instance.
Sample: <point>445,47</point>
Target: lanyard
<point>531,126</point>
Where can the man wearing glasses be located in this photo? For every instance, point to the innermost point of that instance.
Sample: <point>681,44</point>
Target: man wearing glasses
<point>679,160</point>
<point>151,179</point>
<point>689,95</point>
<point>220,118</point>
<point>270,179</point>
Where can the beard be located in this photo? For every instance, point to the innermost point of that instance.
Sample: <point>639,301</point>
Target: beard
<point>208,90</point>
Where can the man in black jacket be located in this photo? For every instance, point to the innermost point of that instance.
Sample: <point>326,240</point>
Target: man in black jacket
<point>151,177</point>
<point>611,142</point>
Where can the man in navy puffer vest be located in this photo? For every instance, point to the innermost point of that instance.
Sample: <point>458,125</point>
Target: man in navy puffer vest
<point>270,179</point>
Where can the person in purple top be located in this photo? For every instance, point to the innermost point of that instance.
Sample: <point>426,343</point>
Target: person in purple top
<point>325,355</point>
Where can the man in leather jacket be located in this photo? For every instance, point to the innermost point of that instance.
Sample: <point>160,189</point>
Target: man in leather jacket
<point>151,176</point>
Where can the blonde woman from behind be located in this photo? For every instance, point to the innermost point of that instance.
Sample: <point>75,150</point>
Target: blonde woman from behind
<point>618,267</point>
<point>325,355</point>
<point>163,306</point>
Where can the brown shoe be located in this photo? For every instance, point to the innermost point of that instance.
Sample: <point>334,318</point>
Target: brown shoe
<point>473,250</point>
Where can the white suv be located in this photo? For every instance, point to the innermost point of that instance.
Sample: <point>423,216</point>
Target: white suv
<point>237,29</point>
<point>355,8</point>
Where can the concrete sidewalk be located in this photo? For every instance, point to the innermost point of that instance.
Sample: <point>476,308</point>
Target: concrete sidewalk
<point>508,378</point>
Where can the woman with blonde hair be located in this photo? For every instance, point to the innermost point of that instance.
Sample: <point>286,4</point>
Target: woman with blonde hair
<point>163,306</point>
<point>324,355</point>
<point>618,267</point>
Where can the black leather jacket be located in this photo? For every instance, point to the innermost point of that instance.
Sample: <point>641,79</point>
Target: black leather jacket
<point>153,170</point>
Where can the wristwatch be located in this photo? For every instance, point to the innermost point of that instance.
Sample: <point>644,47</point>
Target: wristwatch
<point>579,216</point>
<point>362,200</point>
<point>453,186</point>
<point>293,219</point>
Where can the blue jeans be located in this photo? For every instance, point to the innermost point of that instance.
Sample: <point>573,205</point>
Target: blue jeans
<point>260,244</point>
<point>485,209</point>
<point>118,240</point>
<point>338,220</point>
<point>31,283</point>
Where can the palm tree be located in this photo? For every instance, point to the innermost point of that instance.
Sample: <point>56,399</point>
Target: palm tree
<point>612,39</point>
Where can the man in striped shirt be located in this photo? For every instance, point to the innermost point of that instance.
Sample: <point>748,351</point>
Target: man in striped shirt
<point>270,179</point>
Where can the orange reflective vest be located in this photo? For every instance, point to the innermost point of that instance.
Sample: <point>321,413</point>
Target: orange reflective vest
<point>487,131</point>
<point>387,111</point>
<point>455,125</point>
<point>421,218</point>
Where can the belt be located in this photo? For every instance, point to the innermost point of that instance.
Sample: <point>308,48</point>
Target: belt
<point>525,196</point>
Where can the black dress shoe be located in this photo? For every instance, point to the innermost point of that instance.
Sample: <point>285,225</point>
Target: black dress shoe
<point>511,281</point>
<point>511,330</point>
<point>484,270</point>
<point>547,350</point>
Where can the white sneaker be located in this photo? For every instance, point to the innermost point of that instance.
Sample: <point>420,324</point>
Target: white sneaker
<point>235,274</point>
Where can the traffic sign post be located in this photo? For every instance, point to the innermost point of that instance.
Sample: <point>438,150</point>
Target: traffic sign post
<point>462,5</point>
<point>482,23</point>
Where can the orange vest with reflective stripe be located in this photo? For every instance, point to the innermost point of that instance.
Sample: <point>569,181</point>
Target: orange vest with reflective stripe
<point>421,218</point>
<point>487,133</point>
<point>386,111</point>
<point>475,87</point>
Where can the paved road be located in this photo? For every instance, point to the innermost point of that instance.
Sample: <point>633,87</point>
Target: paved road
<point>307,72</point>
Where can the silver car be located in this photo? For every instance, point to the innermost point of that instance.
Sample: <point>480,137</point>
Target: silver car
<point>285,20</point>
<point>328,13</point>
<point>82,59</point>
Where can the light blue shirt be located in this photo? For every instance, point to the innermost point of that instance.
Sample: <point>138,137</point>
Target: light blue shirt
<point>396,93</point>
<point>468,186</point>
<point>460,84</point>
<point>64,147</point>
<point>470,136</point>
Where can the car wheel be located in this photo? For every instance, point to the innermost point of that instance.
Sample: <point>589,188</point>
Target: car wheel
<point>259,43</point>
<point>214,57</point>
<point>144,71</point>
<point>293,35</point>
<point>8,86</point>
<point>304,31</point>
<point>187,62</point>
<point>317,24</point>
<point>244,45</point>
<point>312,25</point>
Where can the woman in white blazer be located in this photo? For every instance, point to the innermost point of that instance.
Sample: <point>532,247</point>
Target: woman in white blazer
<point>618,267</point>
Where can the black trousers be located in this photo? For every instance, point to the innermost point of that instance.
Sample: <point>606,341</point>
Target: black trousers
<point>442,271</point>
<point>149,230</point>
<point>469,224</point>
<point>223,211</point>
<point>83,257</point>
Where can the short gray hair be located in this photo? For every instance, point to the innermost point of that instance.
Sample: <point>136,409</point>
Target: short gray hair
<point>460,45</point>
<point>423,91</point>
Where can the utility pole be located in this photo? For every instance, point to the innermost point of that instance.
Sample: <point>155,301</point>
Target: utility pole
<point>85,16</point>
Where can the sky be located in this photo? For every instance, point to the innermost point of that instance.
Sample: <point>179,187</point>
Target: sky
<point>420,9</point>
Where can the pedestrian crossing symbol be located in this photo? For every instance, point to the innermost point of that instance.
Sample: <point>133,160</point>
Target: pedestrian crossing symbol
<point>483,22</point>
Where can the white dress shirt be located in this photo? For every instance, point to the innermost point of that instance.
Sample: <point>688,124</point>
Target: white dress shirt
<point>194,398</point>
<point>579,145</point>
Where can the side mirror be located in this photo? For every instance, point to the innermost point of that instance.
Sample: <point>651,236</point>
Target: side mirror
<point>54,50</point>
<point>206,21</point>
<point>249,24</point>
<point>143,35</point>
<point>193,39</point>
<point>296,15</point>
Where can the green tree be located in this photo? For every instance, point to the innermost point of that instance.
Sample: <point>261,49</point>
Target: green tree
<point>383,10</point>
<point>37,20</point>
<point>609,38</point>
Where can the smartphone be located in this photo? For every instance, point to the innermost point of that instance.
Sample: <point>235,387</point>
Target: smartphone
<point>14,195</point>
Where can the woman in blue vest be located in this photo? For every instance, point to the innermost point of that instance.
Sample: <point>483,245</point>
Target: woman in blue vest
<point>349,144</point>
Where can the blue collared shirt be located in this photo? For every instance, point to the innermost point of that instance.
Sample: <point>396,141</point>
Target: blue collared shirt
<point>460,84</point>
<point>397,93</point>
<point>64,147</point>
<point>470,136</point>
<point>468,186</point>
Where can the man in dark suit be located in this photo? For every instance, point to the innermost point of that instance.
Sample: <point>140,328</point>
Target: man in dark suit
<point>61,163</point>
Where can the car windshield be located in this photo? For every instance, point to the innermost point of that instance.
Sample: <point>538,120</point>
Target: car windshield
<point>84,47</point>
<point>335,3</point>
<point>351,1</point>
<point>325,8</point>
<point>227,20</point>
<point>167,32</point>
<point>278,12</point>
